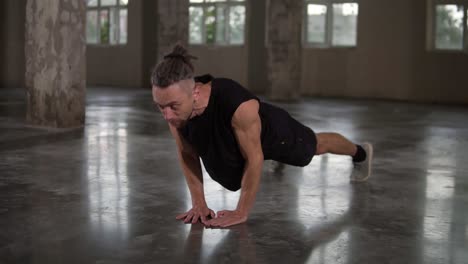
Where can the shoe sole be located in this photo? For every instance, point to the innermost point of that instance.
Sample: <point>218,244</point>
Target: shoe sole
<point>370,156</point>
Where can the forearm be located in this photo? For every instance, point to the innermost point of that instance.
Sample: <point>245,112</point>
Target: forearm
<point>250,184</point>
<point>194,177</point>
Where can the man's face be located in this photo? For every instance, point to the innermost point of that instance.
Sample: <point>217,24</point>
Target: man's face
<point>175,102</point>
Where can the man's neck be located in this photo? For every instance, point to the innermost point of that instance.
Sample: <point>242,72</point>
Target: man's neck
<point>203,99</point>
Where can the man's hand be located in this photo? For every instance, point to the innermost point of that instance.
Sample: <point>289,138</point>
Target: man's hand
<point>197,212</point>
<point>227,218</point>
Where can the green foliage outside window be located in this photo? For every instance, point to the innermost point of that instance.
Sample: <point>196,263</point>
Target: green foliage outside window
<point>105,32</point>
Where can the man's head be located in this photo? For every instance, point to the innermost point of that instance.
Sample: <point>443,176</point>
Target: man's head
<point>173,86</point>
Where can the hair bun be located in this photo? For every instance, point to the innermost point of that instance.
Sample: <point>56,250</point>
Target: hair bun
<point>175,66</point>
<point>174,56</point>
<point>179,52</point>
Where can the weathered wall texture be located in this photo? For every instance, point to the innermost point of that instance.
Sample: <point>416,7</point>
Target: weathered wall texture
<point>172,25</point>
<point>284,48</point>
<point>55,62</point>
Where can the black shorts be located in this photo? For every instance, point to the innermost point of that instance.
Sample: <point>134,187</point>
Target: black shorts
<point>284,139</point>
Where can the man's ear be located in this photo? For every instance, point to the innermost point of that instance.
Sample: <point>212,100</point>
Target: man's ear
<point>196,89</point>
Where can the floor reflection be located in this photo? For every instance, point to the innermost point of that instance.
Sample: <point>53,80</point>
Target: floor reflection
<point>217,197</point>
<point>111,195</point>
<point>107,174</point>
<point>329,201</point>
<point>324,191</point>
<point>444,218</point>
<point>321,240</point>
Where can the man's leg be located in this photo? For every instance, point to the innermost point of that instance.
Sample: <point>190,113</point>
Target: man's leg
<point>335,143</point>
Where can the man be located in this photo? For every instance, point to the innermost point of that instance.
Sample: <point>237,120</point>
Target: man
<point>219,121</point>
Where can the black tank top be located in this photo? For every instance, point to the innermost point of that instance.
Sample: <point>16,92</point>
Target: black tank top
<point>212,135</point>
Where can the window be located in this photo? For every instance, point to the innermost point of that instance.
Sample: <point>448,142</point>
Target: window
<point>218,22</point>
<point>106,22</point>
<point>449,25</point>
<point>330,23</point>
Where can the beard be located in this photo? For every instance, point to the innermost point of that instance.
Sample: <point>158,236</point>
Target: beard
<point>182,120</point>
<point>179,123</point>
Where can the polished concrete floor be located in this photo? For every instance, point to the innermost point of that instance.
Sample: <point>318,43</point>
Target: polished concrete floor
<point>109,192</point>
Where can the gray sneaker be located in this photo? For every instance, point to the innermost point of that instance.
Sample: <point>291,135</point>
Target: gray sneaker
<point>362,170</point>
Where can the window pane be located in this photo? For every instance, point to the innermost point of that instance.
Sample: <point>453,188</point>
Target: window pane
<point>104,17</point>
<point>196,1</point>
<point>316,23</point>
<point>220,25</point>
<point>449,27</point>
<point>236,24</point>
<point>92,2</point>
<point>123,26</point>
<point>215,1</point>
<point>123,2</point>
<point>114,26</point>
<point>92,27</point>
<point>195,26</point>
<point>210,19</point>
<point>108,2</point>
<point>345,24</point>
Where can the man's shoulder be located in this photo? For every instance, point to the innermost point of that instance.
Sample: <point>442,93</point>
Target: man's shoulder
<point>205,78</point>
<point>228,86</point>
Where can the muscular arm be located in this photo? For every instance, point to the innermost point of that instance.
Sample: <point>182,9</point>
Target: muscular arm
<point>247,127</point>
<point>191,167</point>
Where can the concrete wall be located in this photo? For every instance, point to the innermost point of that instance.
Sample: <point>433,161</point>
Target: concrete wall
<point>225,61</point>
<point>3,28</point>
<point>119,65</point>
<point>390,60</point>
<point>106,65</point>
<point>150,42</point>
<point>229,61</point>
<point>12,48</point>
<point>437,76</point>
<point>257,55</point>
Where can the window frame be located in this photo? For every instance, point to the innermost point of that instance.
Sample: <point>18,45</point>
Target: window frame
<point>329,19</point>
<point>431,26</point>
<point>228,4</point>
<point>98,8</point>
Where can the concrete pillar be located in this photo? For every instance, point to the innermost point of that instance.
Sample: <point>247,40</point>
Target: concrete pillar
<point>284,48</point>
<point>55,52</point>
<point>172,24</point>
